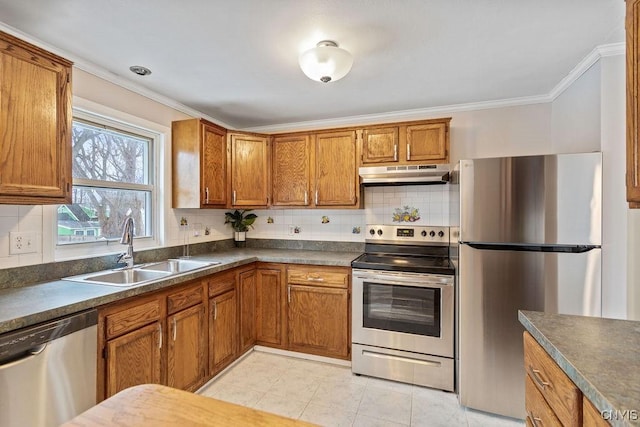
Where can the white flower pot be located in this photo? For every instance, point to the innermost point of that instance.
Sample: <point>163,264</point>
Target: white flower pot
<point>240,238</point>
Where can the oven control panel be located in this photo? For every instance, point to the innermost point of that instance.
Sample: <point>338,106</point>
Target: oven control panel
<point>413,235</point>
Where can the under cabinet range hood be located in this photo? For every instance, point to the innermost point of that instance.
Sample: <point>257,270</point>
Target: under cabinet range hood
<point>404,175</point>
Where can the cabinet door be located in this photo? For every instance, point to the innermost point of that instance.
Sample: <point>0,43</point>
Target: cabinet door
<point>134,358</point>
<point>223,329</point>
<point>380,145</point>
<point>269,319</point>
<point>247,286</point>
<point>187,347</point>
<point>35,123</point>
<point>336,172</point>
<point>214,166</point>
<point>319,320</point>
<point>633,107</point>
<point>427,142</point>
<point>291,171</point>
<point>249,170</point>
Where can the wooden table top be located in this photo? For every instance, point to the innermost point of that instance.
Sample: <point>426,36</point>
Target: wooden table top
<point>160,406</point>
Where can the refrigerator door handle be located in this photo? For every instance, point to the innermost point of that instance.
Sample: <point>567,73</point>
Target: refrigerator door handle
<point>527,247</point>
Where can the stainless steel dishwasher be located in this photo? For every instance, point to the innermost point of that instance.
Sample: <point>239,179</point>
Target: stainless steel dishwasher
<point>48,371</point>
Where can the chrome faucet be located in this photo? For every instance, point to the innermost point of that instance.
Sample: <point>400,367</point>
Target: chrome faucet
<point>127,239</point>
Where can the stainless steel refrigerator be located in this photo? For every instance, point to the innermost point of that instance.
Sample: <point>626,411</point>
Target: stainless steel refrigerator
<point>530,236</point>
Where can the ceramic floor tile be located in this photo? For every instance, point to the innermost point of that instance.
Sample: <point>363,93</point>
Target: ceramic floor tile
<point>281,405</point>
<point>300,387</point>
<point>365,421</point>
<point>390,385</point>
<point>340,396</point>
<point>437,409</point>
<point>481,419</point>
<point>386,404</point>
<point>331,395</point>
<point>327,416</point>
<point>239,395</point>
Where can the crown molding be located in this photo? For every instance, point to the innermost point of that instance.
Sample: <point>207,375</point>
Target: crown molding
<point>404,115</point>
<point>102,73</point>
<point>422,113</point>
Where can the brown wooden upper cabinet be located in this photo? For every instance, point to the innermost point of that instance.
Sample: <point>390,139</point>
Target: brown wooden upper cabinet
<point>316,170</point>
<point>249,170</point>
<point>336,170</point>
<point>633,109</point>
<point>291,170</point>
<point>35,119</point>
<point>425,141</point>
<point>199,164</point>
<point>380,145</point>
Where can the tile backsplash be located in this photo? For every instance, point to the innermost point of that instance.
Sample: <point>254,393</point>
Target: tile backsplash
<point>428,202</point>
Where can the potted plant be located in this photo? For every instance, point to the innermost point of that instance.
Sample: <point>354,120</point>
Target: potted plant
<point>240,221</point>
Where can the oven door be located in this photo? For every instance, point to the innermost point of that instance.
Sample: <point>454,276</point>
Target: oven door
<point>404,311</point>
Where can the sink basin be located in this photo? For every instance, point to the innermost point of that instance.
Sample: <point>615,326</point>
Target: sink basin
<point>177,265</point>
<point>142,274</point>
<point>128,277</point>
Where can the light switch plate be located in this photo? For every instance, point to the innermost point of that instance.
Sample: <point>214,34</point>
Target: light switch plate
<point>22,242</point>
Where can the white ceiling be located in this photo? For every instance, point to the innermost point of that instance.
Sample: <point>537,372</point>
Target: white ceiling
<point>237,61</point>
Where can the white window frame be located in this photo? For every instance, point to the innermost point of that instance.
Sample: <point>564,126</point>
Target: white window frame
<point>110,118</point>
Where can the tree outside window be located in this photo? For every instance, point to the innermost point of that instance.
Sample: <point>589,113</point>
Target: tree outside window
<point>111,180</point>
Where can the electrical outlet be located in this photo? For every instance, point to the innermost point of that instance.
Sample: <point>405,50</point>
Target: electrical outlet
<point>22,242</point>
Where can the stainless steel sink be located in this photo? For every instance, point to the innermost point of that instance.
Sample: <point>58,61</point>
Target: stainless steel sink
<point>143,274</point>
<point>177,265</point>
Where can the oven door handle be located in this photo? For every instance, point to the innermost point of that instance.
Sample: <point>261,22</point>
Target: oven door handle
<point>413,281</point>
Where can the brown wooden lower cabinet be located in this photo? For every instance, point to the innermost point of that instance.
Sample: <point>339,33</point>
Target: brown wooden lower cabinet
<point>134,358</point>
<point>187,348</point>
<point>551,398</point>
<point>223,330</point>
<point>270,305</point>
<point>319,310</point>
<point>185,335</point>
<point>247,312</point>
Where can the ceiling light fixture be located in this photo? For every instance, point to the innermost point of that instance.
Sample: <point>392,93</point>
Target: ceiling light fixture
<point>326,62</point>
<point>140,70</point>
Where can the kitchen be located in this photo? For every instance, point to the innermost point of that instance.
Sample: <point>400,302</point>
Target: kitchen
<point>583,112</point>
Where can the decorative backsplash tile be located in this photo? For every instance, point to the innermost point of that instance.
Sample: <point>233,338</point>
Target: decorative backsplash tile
<point>406,214</point>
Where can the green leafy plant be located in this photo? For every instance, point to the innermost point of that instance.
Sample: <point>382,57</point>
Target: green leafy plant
<point>240,220</point>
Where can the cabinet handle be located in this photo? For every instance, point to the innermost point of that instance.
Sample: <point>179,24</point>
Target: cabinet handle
<point>234,197</point>
<point>215,310</point>
<point>160,335</point>
<point>175,328</point>
<point>306,197</point>
<point>537,422</point>
<point>316,196</point>
<point>408,151</point>
<point>537,377</point>
<point>289,293</point>
<point>395,152</point>
<point>206,195</point>
<point>315,279</point>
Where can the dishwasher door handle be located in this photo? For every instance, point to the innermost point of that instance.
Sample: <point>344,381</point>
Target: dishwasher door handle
<point>30,354</point>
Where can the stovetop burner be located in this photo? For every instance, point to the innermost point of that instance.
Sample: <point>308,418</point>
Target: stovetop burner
<point>415,249</point>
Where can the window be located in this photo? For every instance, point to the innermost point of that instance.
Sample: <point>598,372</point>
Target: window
<point>112,179</point>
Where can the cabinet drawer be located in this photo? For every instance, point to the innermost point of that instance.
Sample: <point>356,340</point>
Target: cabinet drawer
<point>591,417</point>
<point>338,278</point>
<point>133,317</point>
<point>221,283</point>
<point>185,298</point>
<point>559,391</point>
<point>538,411</point>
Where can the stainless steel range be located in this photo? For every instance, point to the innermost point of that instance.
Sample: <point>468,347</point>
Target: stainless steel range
<point>403,306</point>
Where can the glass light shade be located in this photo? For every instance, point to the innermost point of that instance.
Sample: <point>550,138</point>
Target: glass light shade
<point>326,62</point>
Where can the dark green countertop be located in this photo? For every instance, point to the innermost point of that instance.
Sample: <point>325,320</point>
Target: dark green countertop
<point>601,356</point>
<point>32,304</point>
